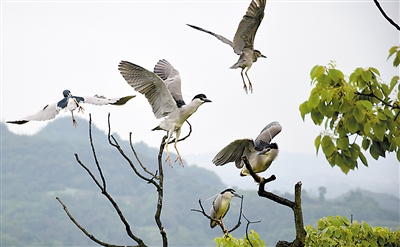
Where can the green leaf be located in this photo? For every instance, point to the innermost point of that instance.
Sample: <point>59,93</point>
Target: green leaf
<point>379,131</point>
<point>352,125</point>
<point>394,81</point>
<point>365,143</point>
<point>317,117</point>
<point>317,143</point>
<point>317,71</point>
<point>362,158</point>
<point>392,50</point>
<point>304,109</point>
<point>398,154</point>
<point>366,75</point>
<point>343,143</point>
<point>327,146</point>
<point>366,104</point>
<point>359,115</point>
<point>335,75</point>
<point>314,100</point>
<point>374,70</point>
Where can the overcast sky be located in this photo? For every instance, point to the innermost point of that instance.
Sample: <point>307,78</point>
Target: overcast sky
<point>51,46</point>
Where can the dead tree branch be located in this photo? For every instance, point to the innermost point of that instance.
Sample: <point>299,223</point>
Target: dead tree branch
<point>386,16</point>
<point>103,185</point>
<point>294,205</point>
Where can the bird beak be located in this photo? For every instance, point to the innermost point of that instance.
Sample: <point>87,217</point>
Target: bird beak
<point>206,100</point>
<point>237,195</point>
<point>263,56</point>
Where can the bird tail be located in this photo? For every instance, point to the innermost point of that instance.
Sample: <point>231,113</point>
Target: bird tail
<point>123,100</point>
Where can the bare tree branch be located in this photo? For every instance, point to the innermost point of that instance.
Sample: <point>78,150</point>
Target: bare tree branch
<point>138,160</point>
<point>86,232</point>
<point>386,16</point>
<point>94,152</point>
<point>161,194</point>
<point>294,205</point>
<point>247,227</point>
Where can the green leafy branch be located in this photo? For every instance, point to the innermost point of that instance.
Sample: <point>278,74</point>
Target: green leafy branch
<point>358,105</point>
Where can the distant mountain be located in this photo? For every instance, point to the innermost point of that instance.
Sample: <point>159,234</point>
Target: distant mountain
<point>35,169</point>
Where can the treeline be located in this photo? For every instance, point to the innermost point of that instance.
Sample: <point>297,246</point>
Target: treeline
<point>36,169</point>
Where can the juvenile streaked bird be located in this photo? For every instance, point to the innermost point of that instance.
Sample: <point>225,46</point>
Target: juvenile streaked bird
<point>71,103</point>
<point>243,41</point>
<point>260,153</point>
<point>163,91</point>
<point>220,206</point>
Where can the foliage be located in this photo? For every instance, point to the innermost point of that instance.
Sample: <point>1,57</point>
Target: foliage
<point>360,105</point>
<point>339,231</point>
<point>230,241</point>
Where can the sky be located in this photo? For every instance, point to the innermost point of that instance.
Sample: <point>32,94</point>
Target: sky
<point>49,46</point>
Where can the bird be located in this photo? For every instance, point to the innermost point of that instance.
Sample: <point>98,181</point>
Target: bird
<point>243,41</point>
<point>220,207</point>
<point>162,88</point>
<point>260,153</point>
<point>71,103</point>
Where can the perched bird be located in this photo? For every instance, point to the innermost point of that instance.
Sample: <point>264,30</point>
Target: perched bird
<point>163,91</point>
<point>71,103</point>
<point>243,41</point>
<point>260,152</point>
<point>220,206</point>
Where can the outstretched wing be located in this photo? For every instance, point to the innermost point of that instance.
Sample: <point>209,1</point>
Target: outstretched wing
<point>267,134</point>
<point>48,112</point>
<point>234,152</point>
<point>244,36</point>
<point>171,78</point>
<point>102,100</point>
<point>220,37</point>
<point>151,85</point>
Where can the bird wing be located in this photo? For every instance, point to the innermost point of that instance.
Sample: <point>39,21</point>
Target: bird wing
<point>48,112</point>
<point>234,152</point>
<point>102,100</point>
<point>220,37</point>
<point>266,135</point>
<point>171,78</point>
<point>244,36</point>
<point>151,85</point>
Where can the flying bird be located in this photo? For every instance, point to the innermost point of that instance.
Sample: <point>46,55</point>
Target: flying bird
<point>220,206</point>
<point>243,41</point>
<point>163,91</point>
<point>71,103</point>
<point>260,153</point>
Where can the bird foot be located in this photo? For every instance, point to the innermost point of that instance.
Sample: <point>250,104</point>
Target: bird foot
<point>81,109</point>
<point>180,160</point>
<point>251,88</point>
<point>245,88</point>
<point>261,179</point>
<point>74,122</point>
<point>169,161</point>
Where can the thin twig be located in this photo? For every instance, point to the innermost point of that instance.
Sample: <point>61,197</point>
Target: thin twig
<point>247,227</point>
<point>160,191</point>
<point>93,238</point>
<point>94,152</point>
<point>386,16</point>
<point>184,138</point>
<point>139,161</point>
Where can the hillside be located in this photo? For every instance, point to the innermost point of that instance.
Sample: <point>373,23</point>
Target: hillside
<point>36,169</point>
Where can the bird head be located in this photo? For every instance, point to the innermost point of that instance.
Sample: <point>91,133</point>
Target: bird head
<point>66,93</point>
<point>230,193</point>
<point>202,98</point>
<point>271,147</point>
<point>258,54</point>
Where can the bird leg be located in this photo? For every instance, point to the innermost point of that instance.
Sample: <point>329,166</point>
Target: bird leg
<point>74,122</point>
<point>169,134</point>
<point>250,86</point>
<point>179,156</point>
<point>177,134</point>
<point>221,224</point>
<point>80,108</point>
<point>244,83</point>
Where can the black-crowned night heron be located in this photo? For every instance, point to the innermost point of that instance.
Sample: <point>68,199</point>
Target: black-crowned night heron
<point>71,103</point>
<point>220,206</point>
<point>243,42</point>
<point>163,91</point>
<point>260,152</point>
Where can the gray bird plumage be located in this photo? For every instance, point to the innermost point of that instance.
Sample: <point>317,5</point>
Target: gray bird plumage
<point>243,41</point>
<point>260,153</point>
<point>163,91</point>
<point>71,103</point>
<point>221,205</point>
